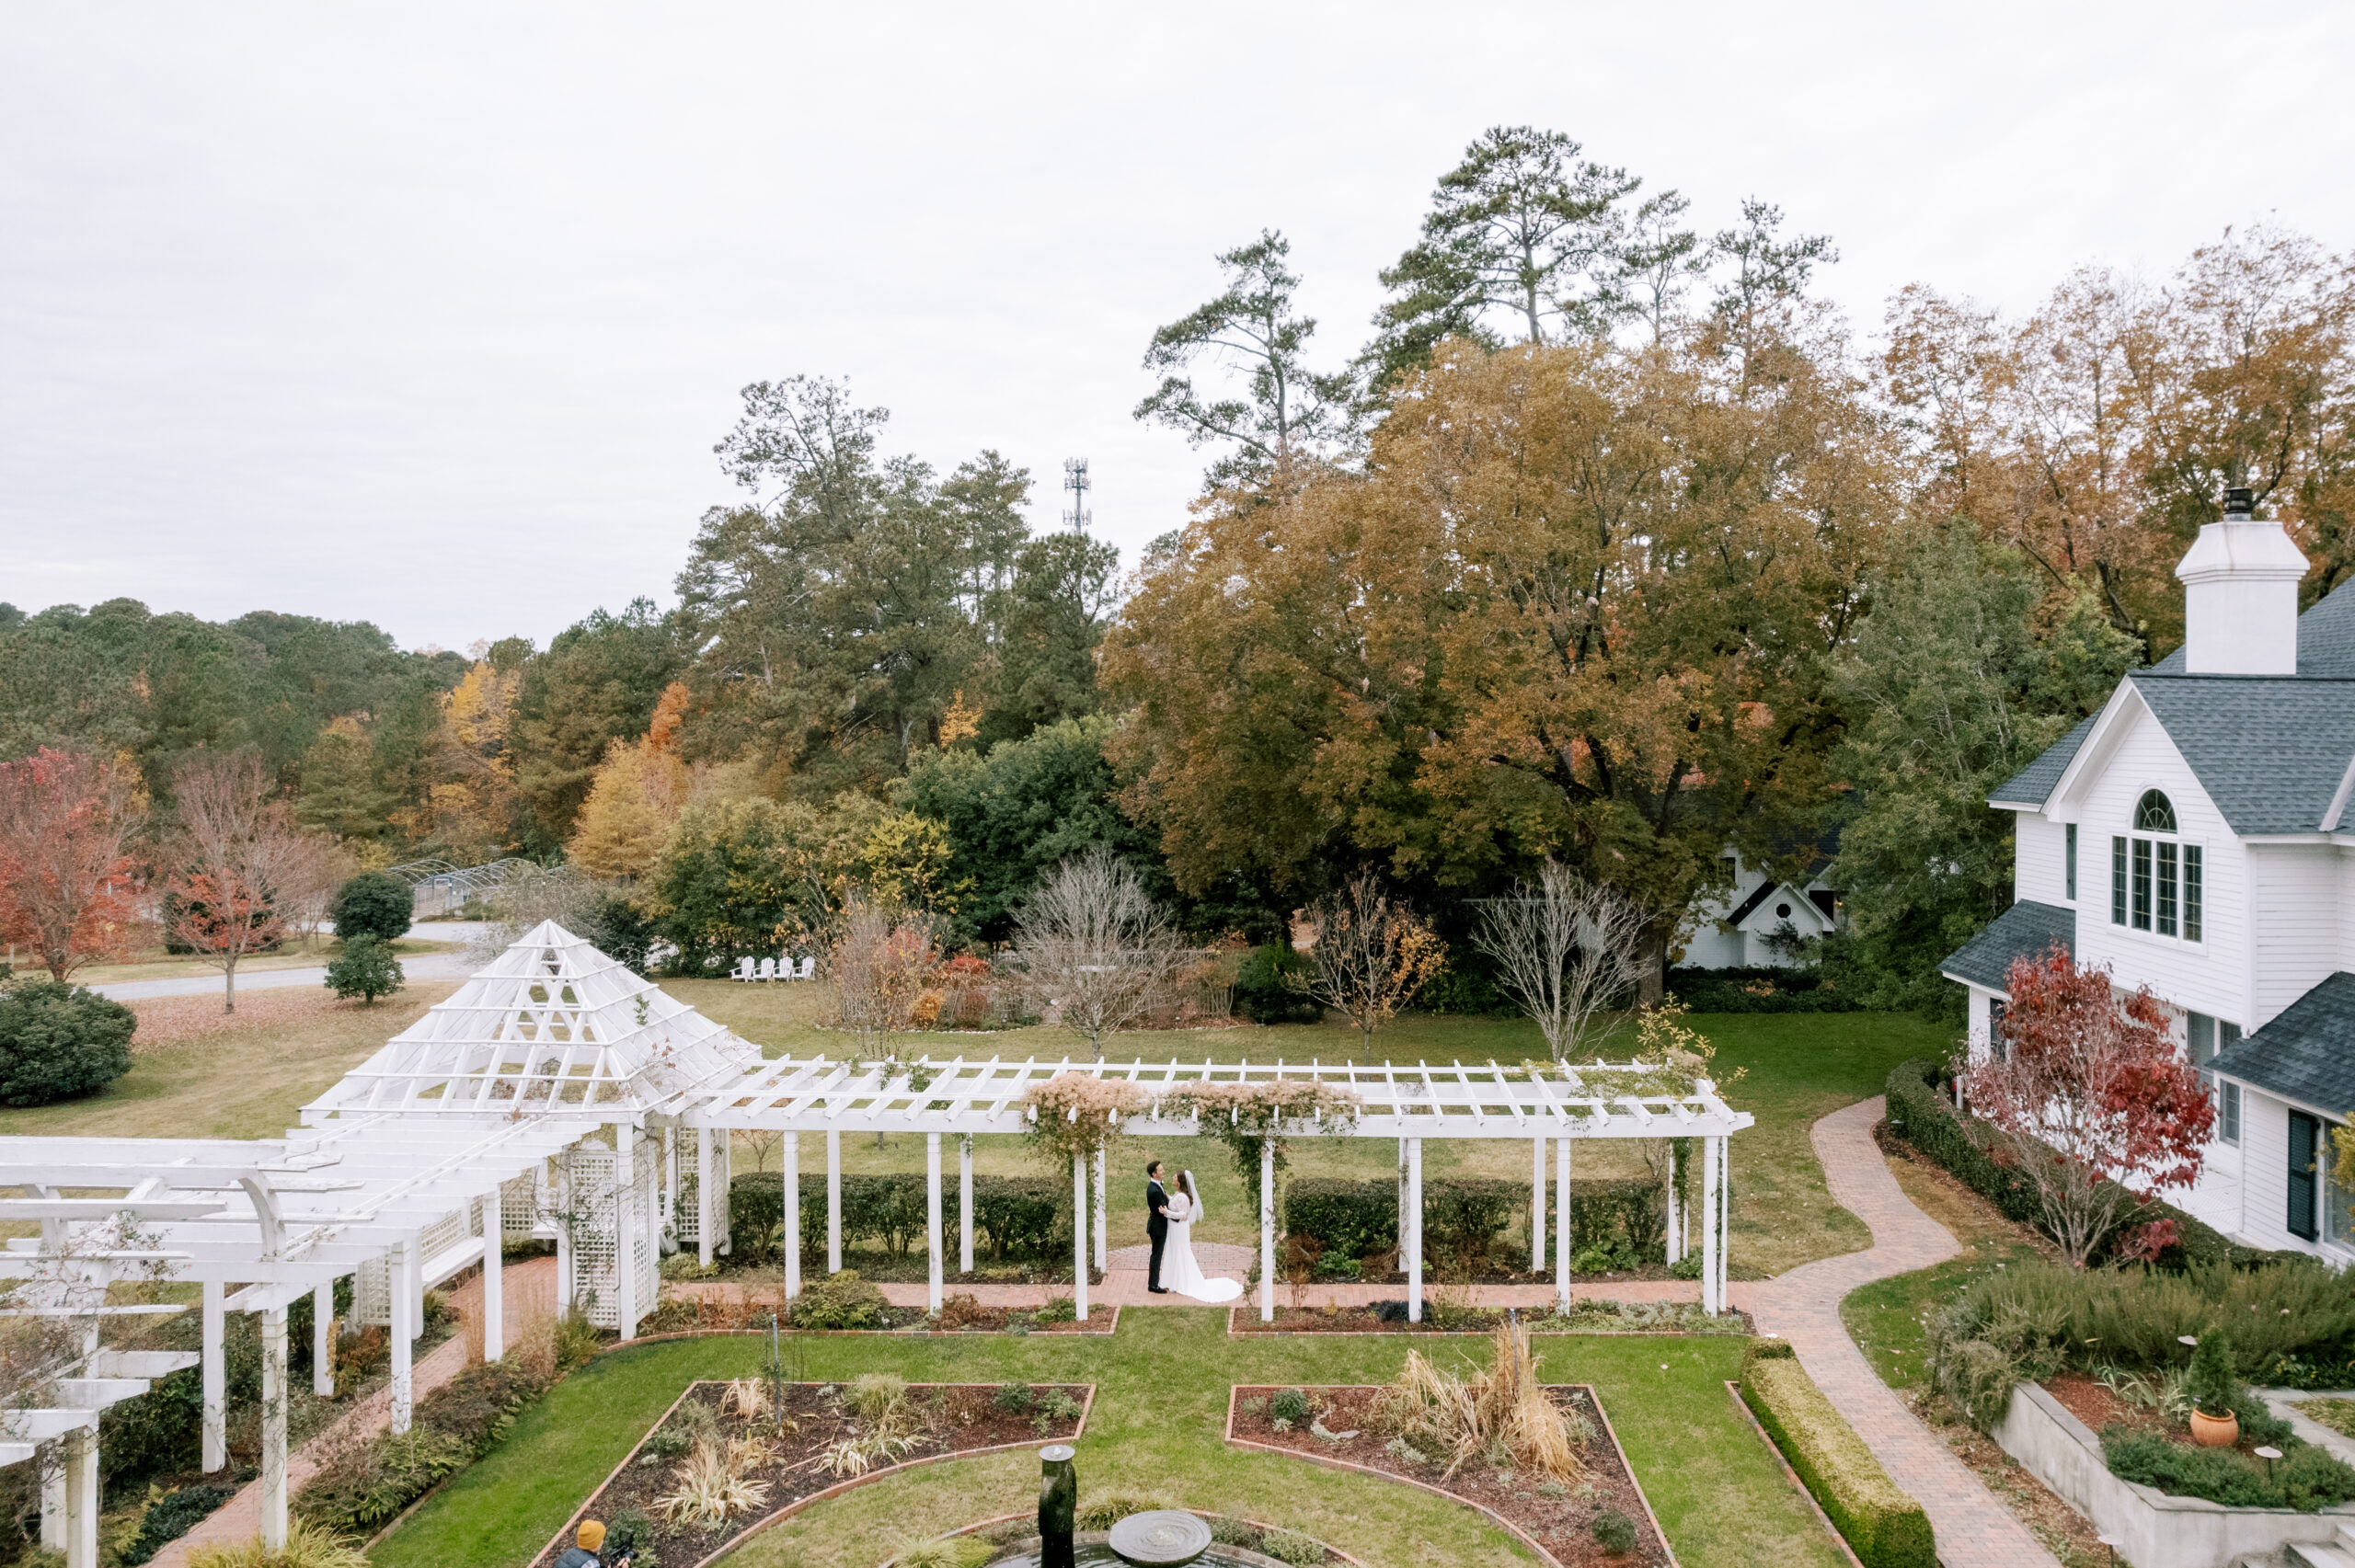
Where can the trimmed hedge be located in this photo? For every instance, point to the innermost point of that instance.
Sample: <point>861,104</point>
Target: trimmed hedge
<point>1023,1217</point>
<point>1760,990</point>
<point>1358,1220</point>
<point>1884,1526</point>
<point>2306,1477</point>
<point>1924,1117</point>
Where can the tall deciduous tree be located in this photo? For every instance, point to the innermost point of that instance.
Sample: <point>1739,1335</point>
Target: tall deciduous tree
<point>1290,410</point>
<point>237,851</point>
<point>2091,1099</point>
<point>1566,950</point>
<point>1093,944</point>
<point>1520,245</point>
<point>1369,956</point>
<point>1052,618</point>
<point>67,879</point>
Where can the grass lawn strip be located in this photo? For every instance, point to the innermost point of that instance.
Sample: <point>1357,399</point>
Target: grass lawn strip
<point>1553,1521</point>
<point>1156,1428</point>
<point>816,1417</point>
<point>1733,1390</point>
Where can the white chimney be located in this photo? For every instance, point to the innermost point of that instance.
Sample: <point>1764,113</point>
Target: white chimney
<point>2240,602</point>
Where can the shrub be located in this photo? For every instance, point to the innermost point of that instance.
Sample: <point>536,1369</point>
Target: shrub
<point>1884,1526</point>
<point>1762,991</point>
<point>365,968</point>
<point>1058,1310</point>
<point>169,1516</point>
<point>1465,1216</point>
<point>1615,1532</point>
<point>1291,1404</point>
<point>1920,1115</point>
<point>1623,1218</point>
<point>308,1545</point>
<point>2213,1389</point>
<point>629,1533</point>
<point>362,1487</point>
<point>838,1301</point>
<point>2306,1477</point>
<point>1291,1546</point>
<point>60,1040</point>
<point>1262,991</point>
<point>1352,1218</point>
<point>1015,1399</point>
<point>375,903</point>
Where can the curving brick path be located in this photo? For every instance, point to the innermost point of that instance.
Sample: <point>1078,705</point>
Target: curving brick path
<point>1974,1530</point>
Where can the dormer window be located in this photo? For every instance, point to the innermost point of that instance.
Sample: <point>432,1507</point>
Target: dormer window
<point>2155,878</point>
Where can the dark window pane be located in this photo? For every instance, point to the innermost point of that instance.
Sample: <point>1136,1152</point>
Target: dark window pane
<point>2142,884</point>
<point>2070,860</point>
<point>2154,815</point>
<point>2167,886</point>
<point>2305,1135</point>
<point>2117,881</point>
<point>2229,1116</point>
<point>2191,877</point>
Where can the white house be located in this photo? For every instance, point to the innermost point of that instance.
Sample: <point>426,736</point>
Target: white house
<point>1757,923</point>
<point>2194,835</point>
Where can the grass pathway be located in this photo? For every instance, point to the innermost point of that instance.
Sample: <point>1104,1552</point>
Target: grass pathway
<point>1156,1429</point>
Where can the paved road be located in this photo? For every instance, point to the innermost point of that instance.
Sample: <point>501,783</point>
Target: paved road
<point>449,966</point>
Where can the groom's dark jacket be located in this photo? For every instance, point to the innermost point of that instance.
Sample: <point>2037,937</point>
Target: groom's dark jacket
<point>1156,1223</point>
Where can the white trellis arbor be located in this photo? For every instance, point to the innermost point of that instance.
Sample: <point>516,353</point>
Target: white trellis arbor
<point>533,1100</point>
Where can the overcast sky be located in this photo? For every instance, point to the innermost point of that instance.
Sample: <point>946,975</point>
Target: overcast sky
<point>429,315</point>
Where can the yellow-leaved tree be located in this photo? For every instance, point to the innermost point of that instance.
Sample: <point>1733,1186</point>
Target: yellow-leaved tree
<point>635,798</point>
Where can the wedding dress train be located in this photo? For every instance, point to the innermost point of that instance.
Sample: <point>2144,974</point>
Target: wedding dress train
<point>1179,1271</point>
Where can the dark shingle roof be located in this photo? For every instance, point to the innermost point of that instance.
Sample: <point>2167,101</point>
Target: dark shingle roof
<point>2325,639</point>
<point>2026,930</point>
<point>2033,785</point>
<point>2308,1053</point>
<point>2269,750</point>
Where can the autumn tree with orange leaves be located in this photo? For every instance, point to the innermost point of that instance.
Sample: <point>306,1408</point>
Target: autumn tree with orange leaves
<point>2090,1099</point>
<point>68,888</point>
<point>1583,601</point>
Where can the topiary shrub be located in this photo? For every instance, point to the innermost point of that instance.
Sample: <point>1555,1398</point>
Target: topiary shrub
<point>375,903</point>
<point>1885,1528</point>
<point>365,968</point>
<point>1262,993</point>
<point>60,1040</point>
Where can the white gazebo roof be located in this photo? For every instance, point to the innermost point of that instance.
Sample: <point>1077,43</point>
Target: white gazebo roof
<point>552,1028</point>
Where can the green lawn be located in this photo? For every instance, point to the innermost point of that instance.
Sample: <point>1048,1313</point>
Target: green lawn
<point>1160,1409</point>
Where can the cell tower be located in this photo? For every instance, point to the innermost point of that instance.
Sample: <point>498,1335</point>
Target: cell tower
<point>1075,481</point>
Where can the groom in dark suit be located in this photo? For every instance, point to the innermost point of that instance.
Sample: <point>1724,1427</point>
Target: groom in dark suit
<point>1157,1225</point>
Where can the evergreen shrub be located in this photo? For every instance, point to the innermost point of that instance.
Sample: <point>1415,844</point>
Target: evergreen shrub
<point>1885,1528</point>
<point>60,1040</point>
<point>375,903</point>
<point>365,968</point>
<point>1794,989</point>
<point>1261,994</point>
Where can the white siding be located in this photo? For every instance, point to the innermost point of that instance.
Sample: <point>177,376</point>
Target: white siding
<point>2209,975</point>
<point>2042,864</point>
<point>2296,895</point>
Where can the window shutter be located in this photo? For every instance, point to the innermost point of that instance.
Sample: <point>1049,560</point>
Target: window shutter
<point>2305,1137</point>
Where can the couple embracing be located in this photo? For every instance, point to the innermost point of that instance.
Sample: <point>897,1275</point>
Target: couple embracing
<point>1169,1224</point>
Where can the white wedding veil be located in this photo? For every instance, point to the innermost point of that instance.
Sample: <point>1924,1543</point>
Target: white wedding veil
<point>1193,1195</point>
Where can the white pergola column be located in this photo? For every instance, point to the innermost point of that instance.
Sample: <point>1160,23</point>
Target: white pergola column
<point>564,1281</point>
<point>494,1279</point>
<point>215,1378</point>
<point>82,1497</point>
<point>932,1213</point>
<point>1562,1224</point>
<point>670,1181</point>
<point>52,1505</point>
<point>1675,1236</point>
<point>703,1196</point>
<point>1268,1230</point>
<point>1725,1217</point>
<point>1537,1208</point>
<point>1079,1234</point>
<point>1410,1223</point>
<point>1709,1249</point>
<point>1100,1208</point>
<point>400,1264</point>
<point>792,1205</point>
<point>625,1229</point>
<point>322,1340</point>
<point>273,1427</point>
<point>965,1204</point>
<point>834,1202</point>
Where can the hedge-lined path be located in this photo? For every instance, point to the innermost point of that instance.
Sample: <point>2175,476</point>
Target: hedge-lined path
<point>1974,1529</point>
<point>526,1288</point>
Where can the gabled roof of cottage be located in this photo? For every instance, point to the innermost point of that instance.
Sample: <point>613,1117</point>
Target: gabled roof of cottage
<point>2303,1054</point>
<point>2272,751</point>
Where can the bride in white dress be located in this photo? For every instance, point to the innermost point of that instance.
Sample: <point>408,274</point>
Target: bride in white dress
<point>1180,1272</point>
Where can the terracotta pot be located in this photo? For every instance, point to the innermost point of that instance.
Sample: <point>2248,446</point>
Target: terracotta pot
<point>2215,1431</point>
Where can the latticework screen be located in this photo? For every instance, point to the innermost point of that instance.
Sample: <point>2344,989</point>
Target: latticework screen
<point>592,1196</point>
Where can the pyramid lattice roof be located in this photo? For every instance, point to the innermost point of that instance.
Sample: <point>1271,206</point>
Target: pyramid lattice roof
<point>552,1028</point>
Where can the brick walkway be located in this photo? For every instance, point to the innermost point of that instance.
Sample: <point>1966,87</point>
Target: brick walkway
<point>1974,1530</point>
<point>527,1288</point>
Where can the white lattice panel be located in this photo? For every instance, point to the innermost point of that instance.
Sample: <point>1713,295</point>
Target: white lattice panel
<point>593,1199</point>
<point>371,1293</point>
<point>519,1204</point>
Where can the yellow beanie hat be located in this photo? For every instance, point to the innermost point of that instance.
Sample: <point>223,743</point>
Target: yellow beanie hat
<point>593,1535</point>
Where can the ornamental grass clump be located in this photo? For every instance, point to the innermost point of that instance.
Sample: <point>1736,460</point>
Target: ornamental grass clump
<point>1504,1410</point>
<point>715,1485</point>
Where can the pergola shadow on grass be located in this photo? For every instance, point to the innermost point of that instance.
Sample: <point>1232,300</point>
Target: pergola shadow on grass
<point>1154,1429</point>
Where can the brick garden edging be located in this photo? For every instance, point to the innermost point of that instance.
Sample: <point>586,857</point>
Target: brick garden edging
<point>1519,1534</point>
<point>1086,1408</point>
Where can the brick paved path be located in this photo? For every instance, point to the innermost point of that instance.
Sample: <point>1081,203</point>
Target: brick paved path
<point>1974,1529</point>
<point>527,1288</point>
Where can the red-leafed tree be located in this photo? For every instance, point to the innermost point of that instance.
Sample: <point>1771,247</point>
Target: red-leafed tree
<point>240,856</point>
<point>2090,1098</point>
<point>68,884</point>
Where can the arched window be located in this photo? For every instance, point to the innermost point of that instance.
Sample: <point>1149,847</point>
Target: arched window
<point>2155,879</point>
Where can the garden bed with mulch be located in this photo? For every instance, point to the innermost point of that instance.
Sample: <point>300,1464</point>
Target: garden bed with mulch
<point>1600,1519</point>
<point>685,1312</point>
<point>716,1468</point>
<point>1390,1317</point>
<point>913,1268</point>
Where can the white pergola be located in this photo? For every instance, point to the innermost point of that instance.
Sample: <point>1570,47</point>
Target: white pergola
<point>534,1101</point>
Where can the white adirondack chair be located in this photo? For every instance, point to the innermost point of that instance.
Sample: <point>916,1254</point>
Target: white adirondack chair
<point>808,969</point>
<point>768,968</point>
<point>743,970</point>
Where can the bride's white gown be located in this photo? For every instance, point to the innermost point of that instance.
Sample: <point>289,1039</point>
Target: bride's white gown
<point>1180,1272</point>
